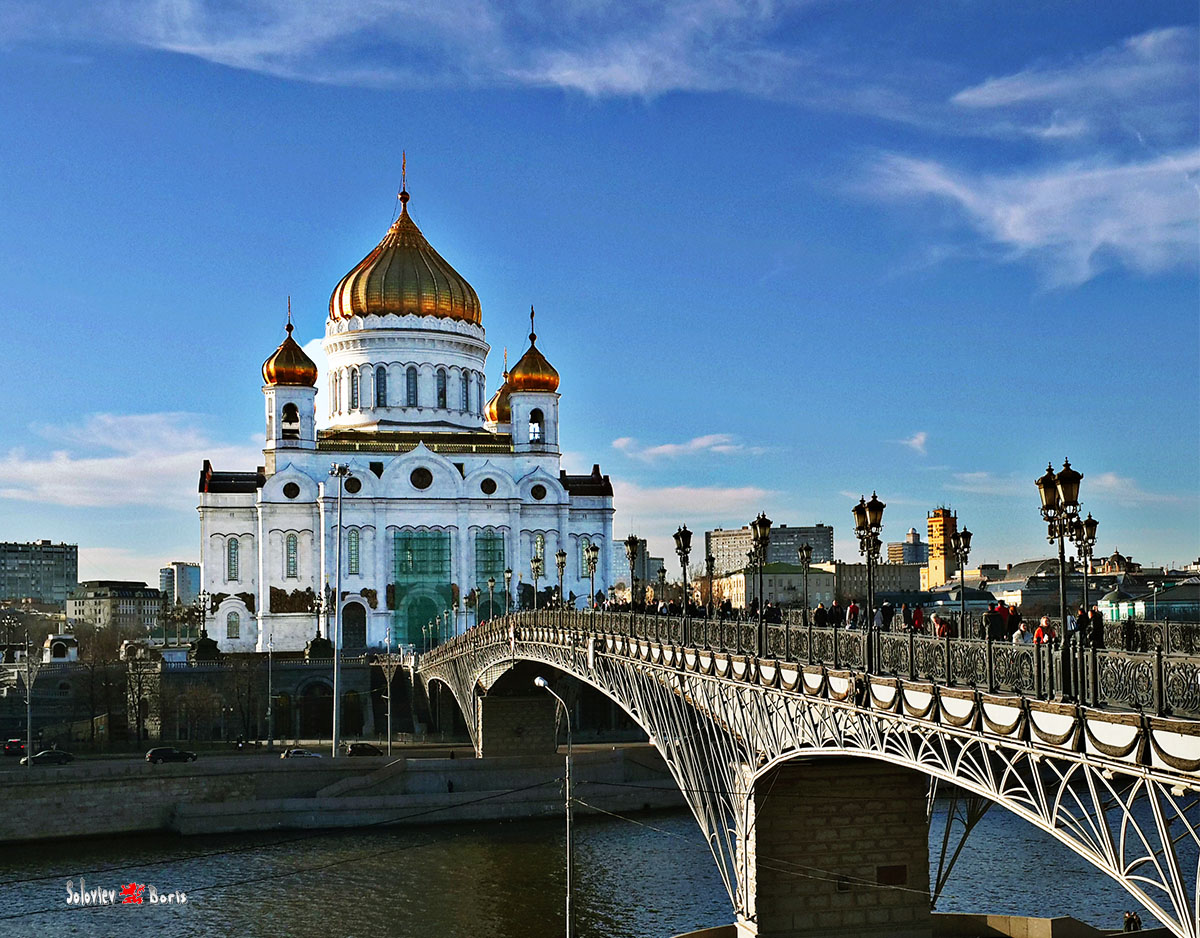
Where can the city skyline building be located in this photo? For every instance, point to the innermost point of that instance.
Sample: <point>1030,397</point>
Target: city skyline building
<point>443,487</point>
<point>38,571</point>
<point>729,547</point>
<point>129,605</point>
<point>179,582</point>
<point>911,550</point>
<point>942,524</point>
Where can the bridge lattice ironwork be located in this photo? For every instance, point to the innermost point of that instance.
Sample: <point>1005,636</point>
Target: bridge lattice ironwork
<point>1116,783</point>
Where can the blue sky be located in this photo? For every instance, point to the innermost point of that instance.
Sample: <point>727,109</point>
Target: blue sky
<point>782,253</point>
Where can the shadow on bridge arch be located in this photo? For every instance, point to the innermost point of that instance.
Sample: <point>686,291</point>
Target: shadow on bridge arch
<point>730,734</point>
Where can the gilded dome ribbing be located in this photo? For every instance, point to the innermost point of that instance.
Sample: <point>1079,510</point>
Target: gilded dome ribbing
<point>289,365</point>
<point>404,276</point>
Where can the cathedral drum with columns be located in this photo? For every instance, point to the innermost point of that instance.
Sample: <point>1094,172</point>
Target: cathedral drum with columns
<point>447,488</point>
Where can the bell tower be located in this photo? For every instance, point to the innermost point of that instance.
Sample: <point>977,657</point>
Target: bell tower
<point>289,387</point>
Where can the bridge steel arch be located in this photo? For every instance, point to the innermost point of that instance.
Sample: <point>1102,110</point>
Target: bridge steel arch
<point>1121,790</point>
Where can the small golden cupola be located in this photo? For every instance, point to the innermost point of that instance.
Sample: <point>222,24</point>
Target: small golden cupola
<point>499,408</point>
<point>289,365</point>
<point>404,276</point>
<point>532,372</point>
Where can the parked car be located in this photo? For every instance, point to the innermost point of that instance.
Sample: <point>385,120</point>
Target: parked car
<point>363,749</point>
<point>50,757</point>
<point>14,747</point>
<point>169,754</point>
<point>300,754</point>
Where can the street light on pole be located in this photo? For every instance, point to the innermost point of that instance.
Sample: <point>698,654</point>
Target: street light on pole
<point>491,600</point>
<point>683,547</point>
<point>1060,509</point>
<point>341,472</point>
<point>560,562</point>
<point>507,588</point>
<point>270,693</point>
<point>760,528</point>
<point>591,556</point>
<point>631,554</point>
<point>960,543</point>
<point>536,568</point>
<point>544,685</point>
<point>868,523</point>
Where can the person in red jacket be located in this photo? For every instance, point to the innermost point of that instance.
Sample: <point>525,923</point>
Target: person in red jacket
<point>1044,633</point>
<point>918,619</point>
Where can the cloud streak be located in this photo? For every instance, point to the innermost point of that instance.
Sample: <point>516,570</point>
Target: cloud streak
<point>719,444</point>
<point>916,442</point>
<point>111,460</point>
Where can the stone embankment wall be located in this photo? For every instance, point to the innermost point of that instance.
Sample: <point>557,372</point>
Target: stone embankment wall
<point>245,793</point>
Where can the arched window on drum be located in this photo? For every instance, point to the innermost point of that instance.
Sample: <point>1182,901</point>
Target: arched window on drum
<point>381,386</point>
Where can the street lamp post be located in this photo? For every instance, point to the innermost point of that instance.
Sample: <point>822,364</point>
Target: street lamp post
<point>544,685</point>
<point>683,547</point>
<point>341,472</point>
<point>560,563</point>
<point>1060,509</point>
<point>1083,534</point>
<point>804,554</point>
<point>491,600</point>
<point>390,663</point>
<point>201,603</point>
<point>536,569</point>
<point>31,672</point>
<point>507,588</point>
<point>760,529</point>
<point>662,586</point>
<point>591,556</point>
<point>270,693</point>
<point>868,523</point>
<point>631,554</point>
<point>960,543</point>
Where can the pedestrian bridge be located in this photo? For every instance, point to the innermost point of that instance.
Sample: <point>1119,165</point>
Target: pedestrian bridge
<point>807,766</point>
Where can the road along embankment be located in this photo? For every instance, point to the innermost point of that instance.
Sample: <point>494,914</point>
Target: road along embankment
<point>253,793</point>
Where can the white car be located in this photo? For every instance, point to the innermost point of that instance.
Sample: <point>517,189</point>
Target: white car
<point>299,754</point>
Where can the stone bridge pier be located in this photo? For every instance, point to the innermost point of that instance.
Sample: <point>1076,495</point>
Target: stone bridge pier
<point>837,848</point>
<point>516,726</point>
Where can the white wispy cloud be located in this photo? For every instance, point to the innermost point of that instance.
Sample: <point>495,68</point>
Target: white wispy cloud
<point>989,483</point>
<point>1075,219</point>
<point>916,442</point>
<point>721,444</point>
<point>1123,490</point>
<point>640,47</point>
<point>147,460</point>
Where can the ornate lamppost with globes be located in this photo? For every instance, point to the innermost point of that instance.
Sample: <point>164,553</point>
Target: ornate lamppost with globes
<point>507,588</point>
<point>683,547</point>
<point>760,530</point>
<point>804,555</point>
<point>1059,494</point>
<point>960,544</point>
<point>868,523</point>
<point>341,472</point>
<point>661,596</point>
<point>631,554</point>
<point>491,600</point>
<point>560,563</point>
<point>710,566</point>
<point>591,556</point>
<point>537,567</point>
<point>1083,536</point>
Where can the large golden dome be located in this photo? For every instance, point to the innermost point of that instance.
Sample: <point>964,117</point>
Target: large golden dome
<point>404,276</point>
<point>532,372</point>
<point>289,365</point>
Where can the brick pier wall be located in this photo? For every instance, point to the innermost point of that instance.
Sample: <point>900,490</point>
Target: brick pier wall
<point>516,726</point>
<point>839,848</point>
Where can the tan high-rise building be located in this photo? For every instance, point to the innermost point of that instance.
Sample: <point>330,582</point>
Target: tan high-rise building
<point>942,524</point>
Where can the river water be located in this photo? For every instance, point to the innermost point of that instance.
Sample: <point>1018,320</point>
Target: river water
<point>647,877</point>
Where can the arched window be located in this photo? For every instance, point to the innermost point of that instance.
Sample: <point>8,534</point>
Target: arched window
<point>584,544</point>
<point>539,546</point>
<point>231,559</point>
<point>352,551</point>
<point>466,393</point>
<point>410,380</point>
<point>354,389</point>
<point>479,394</point>
<point>233,625</point>
<point>441,388</point>
<point>536,426</point>
<point>381,386</point>
<point>293,561</point>
<point>289,424</point>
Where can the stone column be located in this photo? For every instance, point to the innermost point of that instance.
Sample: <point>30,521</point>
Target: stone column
<point>838,848</point>
<point>516,726</point>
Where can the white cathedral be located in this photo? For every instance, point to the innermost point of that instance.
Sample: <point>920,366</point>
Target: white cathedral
<point>447,488</point>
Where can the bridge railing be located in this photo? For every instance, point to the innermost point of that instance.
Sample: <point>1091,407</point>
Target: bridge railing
<point>1153,682</point>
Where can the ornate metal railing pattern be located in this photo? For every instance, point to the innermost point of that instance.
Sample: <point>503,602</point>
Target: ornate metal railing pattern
<point>1119,788</point>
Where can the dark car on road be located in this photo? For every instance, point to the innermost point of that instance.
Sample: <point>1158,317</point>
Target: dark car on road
<point>169,754</point>
<point>14,747</point>
<point>363,749</point>
<point>50,757</point>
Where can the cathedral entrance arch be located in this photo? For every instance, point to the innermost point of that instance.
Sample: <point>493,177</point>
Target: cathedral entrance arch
<point>354,627</point>
<point>316,711</point>
<point>420,608</point>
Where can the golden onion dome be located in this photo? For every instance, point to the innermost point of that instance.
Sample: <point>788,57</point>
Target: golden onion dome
<point>532,372</point>
<point>404,276</point>
<point>289,365</point>
<point>499,408</point>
